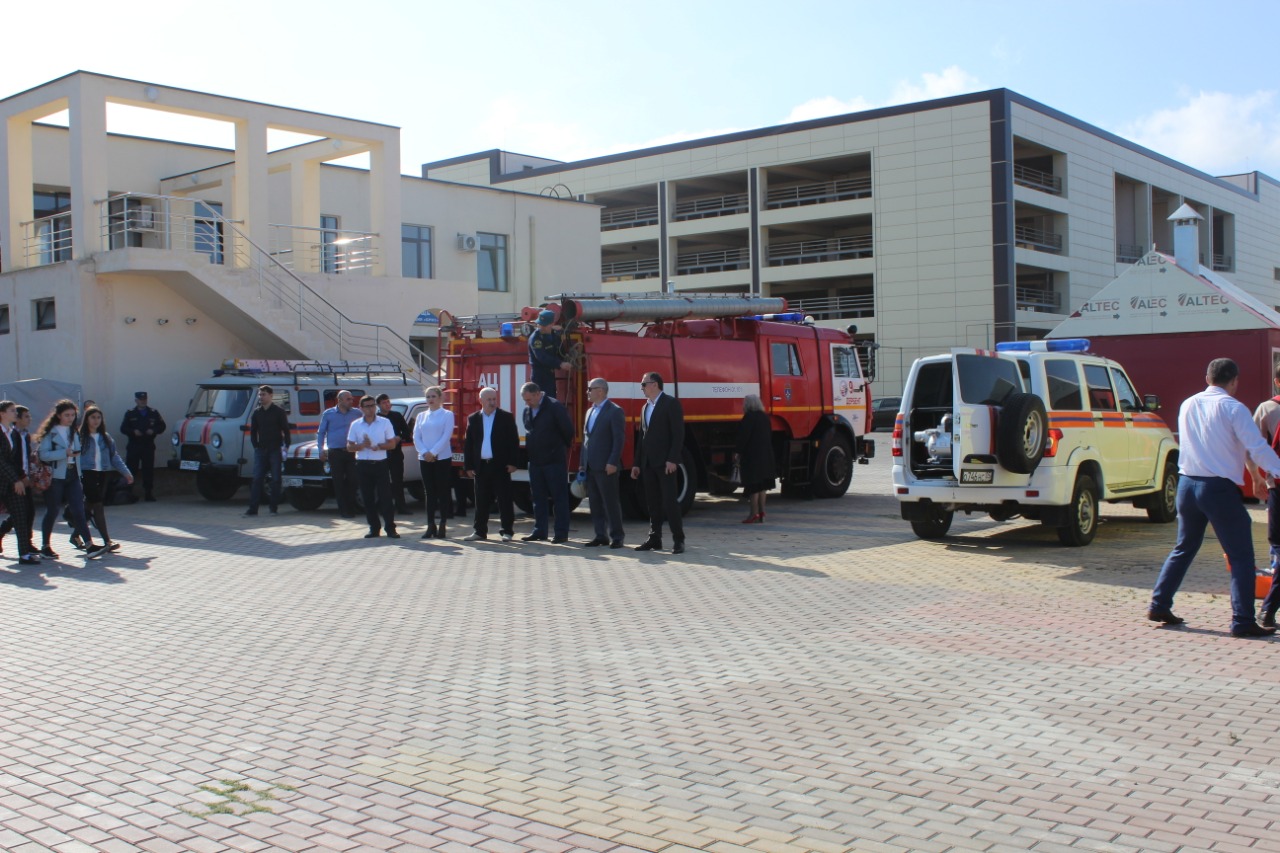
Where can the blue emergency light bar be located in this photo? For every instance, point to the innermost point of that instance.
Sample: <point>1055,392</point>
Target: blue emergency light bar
<point>1059,345</point>
<point>507,330</point>
<point>789,317</point>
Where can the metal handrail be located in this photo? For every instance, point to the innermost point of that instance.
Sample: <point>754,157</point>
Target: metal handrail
<point>331,323</point>
<point>1037,179</point>
<point>628,217</point>
<point>719,205</point>
<point>643,268</point>
<point>337,251</point>
<point>1036,299</point>
<point>51,247</point>
<point>833,307</point>
<point>1128,253</point>
<point>818,193</point>
<point>719,261</point>
<point>813,251</point>
<point>1037,238</point>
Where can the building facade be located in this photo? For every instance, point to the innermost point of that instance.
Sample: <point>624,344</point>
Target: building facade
<point>129,263</point>
<point>962,221</point>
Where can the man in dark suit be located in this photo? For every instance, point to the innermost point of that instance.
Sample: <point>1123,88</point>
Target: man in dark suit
<point>602,436</point>
<point>657,458</point>
<point>15,486</point>
<point>489,458</point>
<point>548,434</point>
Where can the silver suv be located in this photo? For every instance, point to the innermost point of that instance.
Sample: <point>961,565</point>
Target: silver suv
<point>1041,429</point>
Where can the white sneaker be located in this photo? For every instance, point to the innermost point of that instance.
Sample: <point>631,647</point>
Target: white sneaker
<point>474,537</point>
<point>506,537</point>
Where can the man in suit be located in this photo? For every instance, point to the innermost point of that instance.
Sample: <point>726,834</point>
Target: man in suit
<point>657,458</point>
<point>489,458</point>
<point>548,434</point>
<point>15,487</point>
<point>601,459</point>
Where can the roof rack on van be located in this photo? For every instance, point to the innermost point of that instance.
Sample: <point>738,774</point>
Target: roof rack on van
<point>484,322</point>
<point>267,367</point>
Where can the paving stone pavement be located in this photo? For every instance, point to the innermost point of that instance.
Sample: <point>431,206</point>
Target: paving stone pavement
<point>822,682</point>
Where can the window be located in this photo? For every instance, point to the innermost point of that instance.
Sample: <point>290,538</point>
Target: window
<point>1063,381</point>
<point>844,362</point>
<point>221,402</point>
<point>987,381</point>
<point>53,225</point>
<point>786,361</point>
<point>308,402</point>
<point>415,251</point>
<point>328,243</point>
<point>1101,397</point>
<point>491,262</point>
<point>208,237</point>
<point>4,319</point>
<point>1124,390</point>
<point>45,313</point>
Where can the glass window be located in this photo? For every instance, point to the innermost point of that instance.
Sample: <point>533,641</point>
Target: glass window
<point>4,319</point>
<point>308,402</point>
<point>328,243</point>
<point>985,380</point>
<point>1101,397</point>
<point>786,361</point>
<point>45,312</point>
<point>491,262</point>
<point>1063,380</point>
<point>281,399</point>
<point>1128,397</point>
<point>208,237</point>
<point>844,362</point>
<point>415,251</point>
<point>221,402</point>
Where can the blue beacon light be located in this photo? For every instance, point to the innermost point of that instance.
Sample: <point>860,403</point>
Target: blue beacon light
<point>1057,345</point>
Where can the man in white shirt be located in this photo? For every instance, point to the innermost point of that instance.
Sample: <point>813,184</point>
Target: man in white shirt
<point>1216,434</point>
<point>369,439</point>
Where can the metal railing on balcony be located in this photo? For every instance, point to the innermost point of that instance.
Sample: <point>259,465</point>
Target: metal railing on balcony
<point>140,220</point>
<point>1036,299</point>
<point>1035,238</point>
<point>324,250</point>
<point>719,205</point>
<point>1128,253</point>
<point>624,270</point>
<point>818,251</point>
<point>835,307</point>
<point>1221,263</point>
<point>819,193</point>
<point>1036,179</point>
<point>724,260</point>
<point>628,217</point>
<point>46,240</point>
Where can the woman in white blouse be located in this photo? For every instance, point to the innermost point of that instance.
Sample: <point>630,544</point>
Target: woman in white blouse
<point>432,436</point>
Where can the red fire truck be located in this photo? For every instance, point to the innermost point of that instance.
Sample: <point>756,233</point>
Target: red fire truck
<point>711,352</point>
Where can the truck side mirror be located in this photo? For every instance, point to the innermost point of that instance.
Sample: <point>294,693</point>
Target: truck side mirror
<point>1151,402</point>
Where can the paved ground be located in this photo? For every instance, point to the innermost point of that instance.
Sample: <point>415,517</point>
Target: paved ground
<point>822,682</point>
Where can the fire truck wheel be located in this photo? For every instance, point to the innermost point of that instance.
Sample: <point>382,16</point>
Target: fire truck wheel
<point>523,497</point>
<point>832,466</point>
<point>416,490</point>
<point>686,482</point>
<point>1021,431</point>
<point>216,487</point>
<point>305,500</point>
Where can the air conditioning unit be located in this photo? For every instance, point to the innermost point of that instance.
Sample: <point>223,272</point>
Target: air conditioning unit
<point>468,243</point>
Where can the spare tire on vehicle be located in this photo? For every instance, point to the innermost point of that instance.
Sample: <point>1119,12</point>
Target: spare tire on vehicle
<point>1021,432</point>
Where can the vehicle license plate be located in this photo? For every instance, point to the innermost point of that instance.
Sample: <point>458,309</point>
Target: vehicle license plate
<point>189,464</point>
<point>977,475</point>
<point>458,457</point>
<point>292,482</point>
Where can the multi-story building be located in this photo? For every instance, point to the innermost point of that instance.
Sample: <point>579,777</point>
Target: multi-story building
<point>962,221</point>
<point>130,263</point>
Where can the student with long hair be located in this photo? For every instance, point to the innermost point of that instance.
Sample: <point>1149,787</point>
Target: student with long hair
<point>59,446</point>
<point>98,458</point>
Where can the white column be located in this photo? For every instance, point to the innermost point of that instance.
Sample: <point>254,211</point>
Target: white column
<point>88,114</point>
<point>249,187</point>
<point>384,204</point>
<point>304,201</point>
<point>16,181</point>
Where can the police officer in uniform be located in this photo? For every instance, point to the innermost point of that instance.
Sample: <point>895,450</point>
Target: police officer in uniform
<point>140,427</point>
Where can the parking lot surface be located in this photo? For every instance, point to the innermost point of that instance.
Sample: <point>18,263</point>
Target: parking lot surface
<point>821,682</point>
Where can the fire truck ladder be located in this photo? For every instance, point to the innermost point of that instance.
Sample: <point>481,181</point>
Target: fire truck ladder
<point>656,307</point>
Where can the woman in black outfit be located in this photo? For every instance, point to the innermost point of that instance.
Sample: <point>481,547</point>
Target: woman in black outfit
<point>755,456</point>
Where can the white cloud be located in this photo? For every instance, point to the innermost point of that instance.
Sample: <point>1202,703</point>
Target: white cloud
<point>1216,132</point>
<point>950,81</point>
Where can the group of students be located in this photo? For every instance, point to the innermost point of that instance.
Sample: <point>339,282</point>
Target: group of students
<point>80,457</point>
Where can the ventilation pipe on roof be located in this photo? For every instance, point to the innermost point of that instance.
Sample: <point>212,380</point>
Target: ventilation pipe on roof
<point>1186,238</point>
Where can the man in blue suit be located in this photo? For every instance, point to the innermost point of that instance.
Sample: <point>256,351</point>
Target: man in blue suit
<point>548,434</point>
<point>601,461</point>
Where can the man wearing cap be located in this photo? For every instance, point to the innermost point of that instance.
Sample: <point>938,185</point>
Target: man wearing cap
<point>602,435</point>
<point>140,427</point>
<point>545,357</point>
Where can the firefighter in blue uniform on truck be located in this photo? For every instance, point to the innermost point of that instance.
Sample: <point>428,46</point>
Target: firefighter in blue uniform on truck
<point>546,355</point>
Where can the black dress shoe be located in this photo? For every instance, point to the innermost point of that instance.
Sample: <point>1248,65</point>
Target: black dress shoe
<point>534,537</point>
<point>372,534</point>
<point>1252,631</point>
<point>649,546</point>
<point>392,534</point>
<point>678,548</point>
<point>595,543</point>
<point>1165,616</point>
<point>617,544</point>
<point>1269,619</point>
<point>559,540</point>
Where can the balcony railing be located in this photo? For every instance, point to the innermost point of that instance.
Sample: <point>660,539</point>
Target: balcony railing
<point>1036,299</point>
<point>818,251</point>
<point>628,217</point>
<point>724,260</point>
<point>47,240</point>
<point>1036,179</point>
<point>835,307</point>
<point>622,270</point>
<point>324,250</point>
<point>820,193</point>
<point>1221,263</point>
<point>720,205</point>
<point>1128,253</point>
<point>1035,238</point>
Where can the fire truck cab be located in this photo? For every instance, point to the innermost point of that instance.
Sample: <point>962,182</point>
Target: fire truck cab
<point>212,441</point>
<point>711,352</point>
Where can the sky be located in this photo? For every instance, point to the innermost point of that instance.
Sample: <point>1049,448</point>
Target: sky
<point>569,79</point>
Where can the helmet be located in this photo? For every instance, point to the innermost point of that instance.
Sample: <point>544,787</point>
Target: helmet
<point>578,488</point>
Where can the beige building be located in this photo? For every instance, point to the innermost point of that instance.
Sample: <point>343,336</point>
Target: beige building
<point>129,263</point>
<point>956,222</point>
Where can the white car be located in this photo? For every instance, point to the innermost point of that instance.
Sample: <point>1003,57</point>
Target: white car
<point>1042,430</point>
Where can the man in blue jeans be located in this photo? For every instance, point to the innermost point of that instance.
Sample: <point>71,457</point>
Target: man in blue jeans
<point>269,434</point>
<point>1216,433</point>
